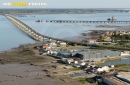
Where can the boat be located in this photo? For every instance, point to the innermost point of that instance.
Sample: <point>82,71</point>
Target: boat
<point>38,21</point>
<point>111,19</point>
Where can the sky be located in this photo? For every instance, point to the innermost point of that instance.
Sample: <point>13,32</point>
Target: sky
<point>77,3</point>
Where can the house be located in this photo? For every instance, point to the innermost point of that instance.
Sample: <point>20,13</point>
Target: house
<point>52,52</point>
<point>92,40</point>
<point>52,44</point>
<point>125,53</point>
<point>46,46</point>
<point>107,33</point>
<point>111,33</point>
<point>63,43</point>
<point>67,60</point>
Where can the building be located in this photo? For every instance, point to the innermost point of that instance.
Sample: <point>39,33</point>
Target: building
<point>63,44</point>
<point>67,60</point>
<point>52,44</point>
<point>92,40</point>
<point>64,54</point>
<point>125,53</point>
<point>92,55</point>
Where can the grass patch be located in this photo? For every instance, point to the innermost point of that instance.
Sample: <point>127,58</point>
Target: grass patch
<point>112,47</point>
<point>122,65</point>
<point>61,63</point>
<point>26,52</point>
<point>82,80</point>
<point>25,56</point>
<point>74,69</point>
<point>73,47</point>
<point>123,70</point>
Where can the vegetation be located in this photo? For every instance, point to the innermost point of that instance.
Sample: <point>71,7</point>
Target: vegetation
<point>25,56</point>
<point>26,52</point>
<point>122,65</point>
<point>121,38</point>
<point>121,70</point>
<point>73,69</point>
<point>112,47</point>
<point>83,80</point>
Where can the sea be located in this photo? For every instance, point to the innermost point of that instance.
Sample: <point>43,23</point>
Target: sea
<point>11,36</point>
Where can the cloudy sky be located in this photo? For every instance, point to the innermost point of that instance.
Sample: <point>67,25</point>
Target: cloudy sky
<point>77,3</point>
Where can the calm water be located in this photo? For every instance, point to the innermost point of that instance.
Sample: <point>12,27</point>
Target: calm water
<point>61,30</point>
<point>116,62</point>
<point>11,36</point>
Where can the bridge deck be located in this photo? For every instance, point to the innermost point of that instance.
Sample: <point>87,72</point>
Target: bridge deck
<point>43,36</point>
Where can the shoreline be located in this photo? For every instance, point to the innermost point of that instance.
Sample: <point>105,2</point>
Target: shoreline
<point>25,60</point>
<point>111,59</point>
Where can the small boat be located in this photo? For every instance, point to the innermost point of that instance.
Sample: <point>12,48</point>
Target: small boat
<point>111,19</point>
<point>38,21</point>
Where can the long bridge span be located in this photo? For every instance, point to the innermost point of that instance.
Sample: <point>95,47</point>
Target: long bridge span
<point>83,21</point>
<point>37,36</point>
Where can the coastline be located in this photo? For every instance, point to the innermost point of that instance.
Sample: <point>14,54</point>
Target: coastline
<point>111,59</point>
<point>25,54</point>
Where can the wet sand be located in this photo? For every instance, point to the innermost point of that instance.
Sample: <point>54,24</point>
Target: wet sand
<point>119,28</point>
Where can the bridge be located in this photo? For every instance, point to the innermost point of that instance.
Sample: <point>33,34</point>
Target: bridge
<point>83,21</point>
<point>37,36</point>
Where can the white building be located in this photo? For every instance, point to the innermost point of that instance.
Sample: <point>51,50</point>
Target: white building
<point>125,53</point>
<point>63,43</point>
<point>53,44</point>
<point>92,41</point>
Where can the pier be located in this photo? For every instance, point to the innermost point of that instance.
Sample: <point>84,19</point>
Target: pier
<point>83,21</point>
<point>37,36</point>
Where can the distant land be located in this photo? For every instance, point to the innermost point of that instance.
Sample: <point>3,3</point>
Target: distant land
<point>61,11</point>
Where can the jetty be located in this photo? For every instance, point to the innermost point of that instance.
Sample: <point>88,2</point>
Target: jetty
<point>111,21</point>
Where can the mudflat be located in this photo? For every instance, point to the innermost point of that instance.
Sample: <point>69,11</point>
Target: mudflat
<point>24,66</point>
